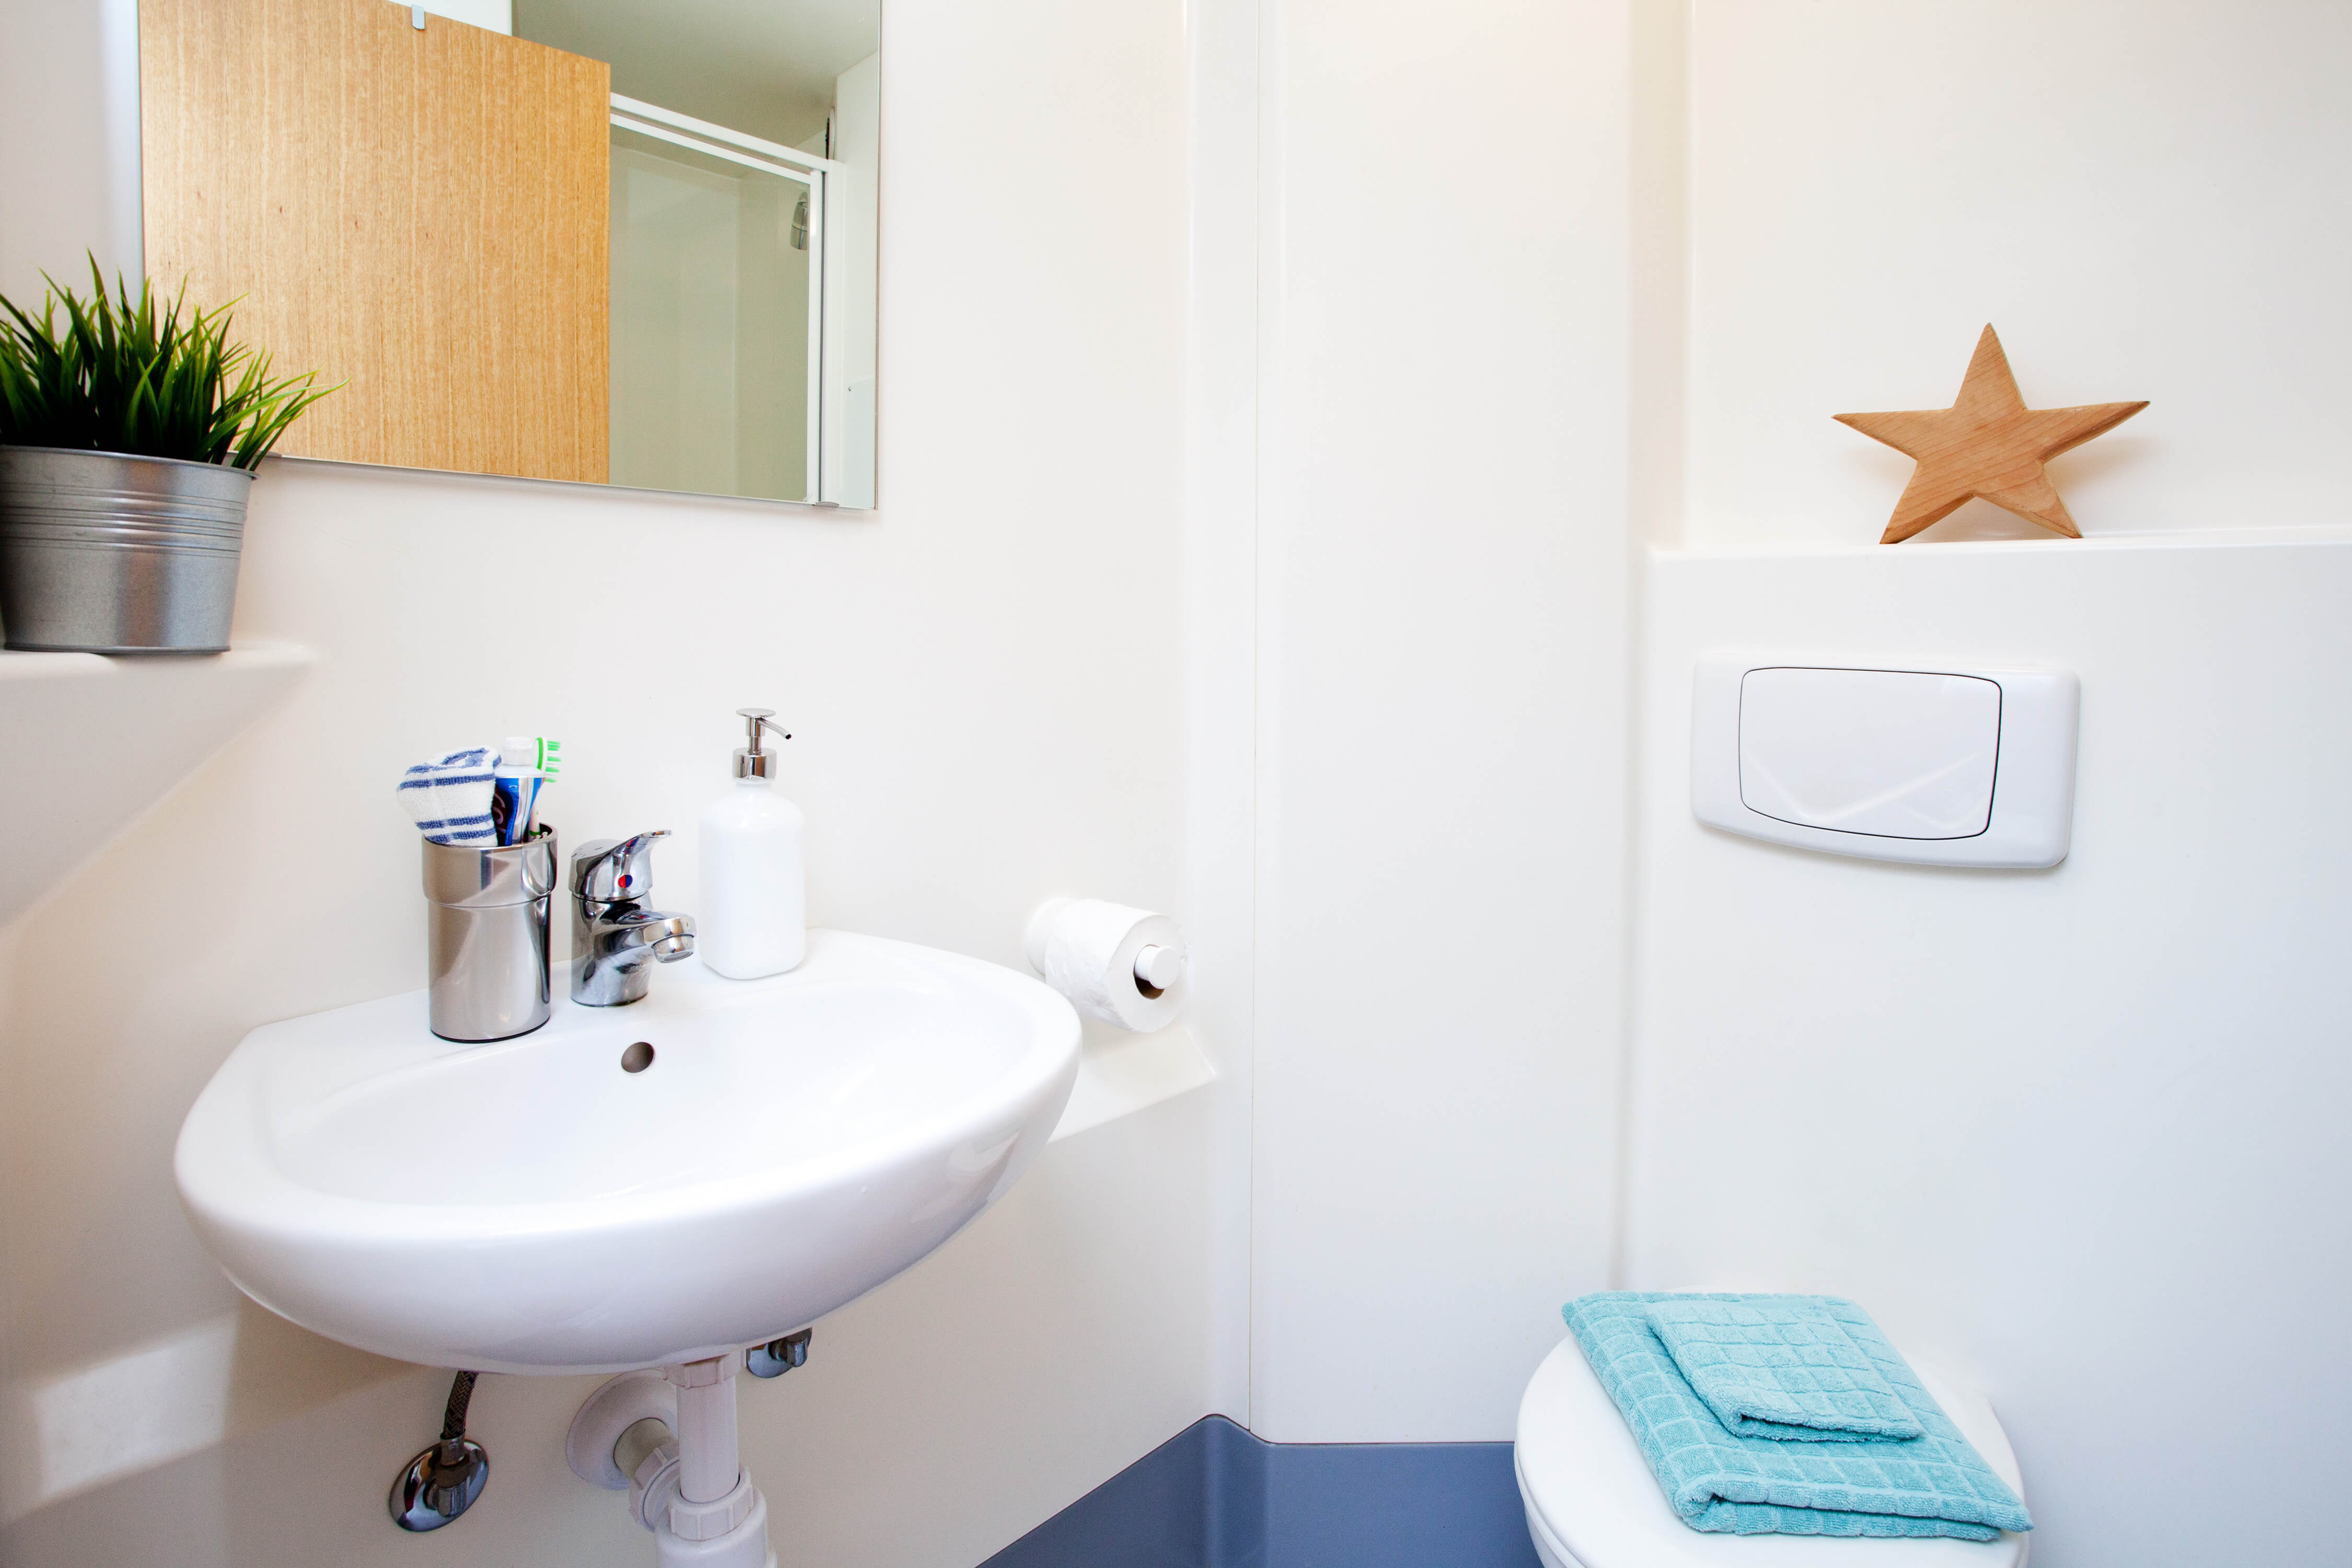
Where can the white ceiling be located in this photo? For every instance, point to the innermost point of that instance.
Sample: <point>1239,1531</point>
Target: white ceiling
<point>766,67</point>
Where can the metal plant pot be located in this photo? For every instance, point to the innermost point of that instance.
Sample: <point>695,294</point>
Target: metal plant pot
<point>106,553</point>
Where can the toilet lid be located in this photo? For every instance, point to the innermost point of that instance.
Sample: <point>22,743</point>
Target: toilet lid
<point>1588,1487</point>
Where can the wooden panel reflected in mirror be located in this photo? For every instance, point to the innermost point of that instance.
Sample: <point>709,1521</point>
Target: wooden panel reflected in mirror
<point>419,214</point>
<point>625,241</point>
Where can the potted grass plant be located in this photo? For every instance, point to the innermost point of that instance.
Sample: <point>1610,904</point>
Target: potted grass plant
<point>129,437</point>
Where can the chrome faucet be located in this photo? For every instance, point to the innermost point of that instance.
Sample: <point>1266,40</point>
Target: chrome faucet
<point>613,933</point>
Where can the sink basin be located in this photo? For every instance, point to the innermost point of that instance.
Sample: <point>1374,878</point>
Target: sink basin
<point>533,1205</point>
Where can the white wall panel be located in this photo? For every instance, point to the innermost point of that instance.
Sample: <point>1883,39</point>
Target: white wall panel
<point>1221,610</point>
<point>2077,1134</point>
<point>1442,679</point>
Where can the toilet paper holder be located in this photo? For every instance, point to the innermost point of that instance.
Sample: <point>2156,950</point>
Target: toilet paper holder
<point>1123,965</point>
<point>1158,968</point>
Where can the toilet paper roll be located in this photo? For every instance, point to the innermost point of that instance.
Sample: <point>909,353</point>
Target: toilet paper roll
<point>1089,950</point>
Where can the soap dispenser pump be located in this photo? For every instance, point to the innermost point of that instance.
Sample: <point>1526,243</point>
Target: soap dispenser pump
<point>754,914</point>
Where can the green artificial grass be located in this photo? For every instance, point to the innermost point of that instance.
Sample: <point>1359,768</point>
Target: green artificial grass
<point>119,375</point>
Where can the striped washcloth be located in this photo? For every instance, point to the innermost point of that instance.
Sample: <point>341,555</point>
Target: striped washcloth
<point>450,798</point>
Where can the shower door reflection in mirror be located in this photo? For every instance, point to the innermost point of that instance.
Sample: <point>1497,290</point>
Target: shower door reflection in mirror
<point>714,385</point>
<point>743,238</point>
<point>616,241</point>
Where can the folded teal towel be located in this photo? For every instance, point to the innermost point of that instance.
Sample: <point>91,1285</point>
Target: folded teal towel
<point>1782,1366</point>
<point>1935,1484</point>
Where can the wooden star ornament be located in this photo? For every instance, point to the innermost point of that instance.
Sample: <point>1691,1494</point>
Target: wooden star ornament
<point>1988,444</point>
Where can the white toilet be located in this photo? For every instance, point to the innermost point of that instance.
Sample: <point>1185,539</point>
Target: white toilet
<point>1592,1502</point>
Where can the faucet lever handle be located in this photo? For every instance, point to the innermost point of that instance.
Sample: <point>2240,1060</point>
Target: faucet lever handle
<point>614,869</point>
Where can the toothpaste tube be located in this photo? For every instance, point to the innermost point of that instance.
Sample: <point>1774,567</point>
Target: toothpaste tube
<point>525,764</point>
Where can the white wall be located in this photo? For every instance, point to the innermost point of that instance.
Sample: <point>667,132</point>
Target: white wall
<point>2074,1132</point>
<point>2144,196</point>
<point>1441,585</point>
<point>983,682</point>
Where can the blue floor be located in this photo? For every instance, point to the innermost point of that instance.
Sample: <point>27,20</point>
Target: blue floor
<point>1214,1496</point>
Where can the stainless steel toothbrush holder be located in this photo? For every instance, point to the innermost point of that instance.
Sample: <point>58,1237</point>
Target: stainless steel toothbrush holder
<point>487,929</point>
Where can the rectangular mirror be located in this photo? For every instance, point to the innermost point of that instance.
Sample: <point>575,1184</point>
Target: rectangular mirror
<point>625,242</point>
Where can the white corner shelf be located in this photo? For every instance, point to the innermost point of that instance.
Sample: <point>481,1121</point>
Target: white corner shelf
<point>1120,1077</point>
<point>93,741</point>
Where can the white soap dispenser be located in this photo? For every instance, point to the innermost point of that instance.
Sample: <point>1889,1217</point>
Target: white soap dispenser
<point>754,914</point>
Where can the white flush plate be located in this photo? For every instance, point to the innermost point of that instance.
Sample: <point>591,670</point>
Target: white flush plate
<point>1934,765</point>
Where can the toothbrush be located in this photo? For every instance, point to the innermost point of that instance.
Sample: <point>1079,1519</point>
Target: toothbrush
<point>525,763</point>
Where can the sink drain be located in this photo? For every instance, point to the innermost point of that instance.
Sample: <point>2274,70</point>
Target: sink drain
<point>637,1057</point>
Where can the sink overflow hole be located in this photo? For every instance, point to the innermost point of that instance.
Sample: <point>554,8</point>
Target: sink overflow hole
<point>637,1057</point>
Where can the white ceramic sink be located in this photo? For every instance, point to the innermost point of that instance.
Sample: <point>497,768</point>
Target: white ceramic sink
<point>529,1205</point>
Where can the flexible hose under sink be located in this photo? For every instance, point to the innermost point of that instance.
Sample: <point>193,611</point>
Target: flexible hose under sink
<point>453,1417</point>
